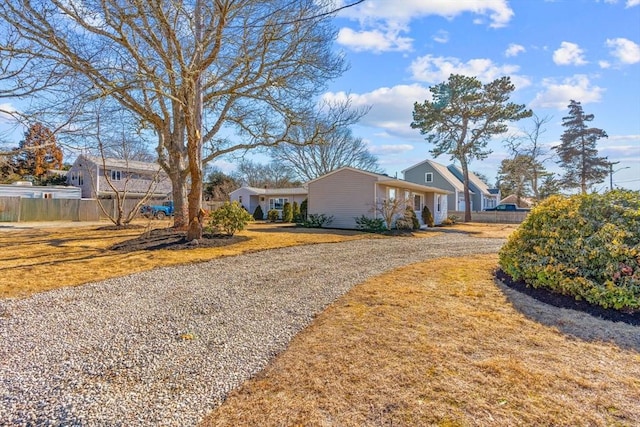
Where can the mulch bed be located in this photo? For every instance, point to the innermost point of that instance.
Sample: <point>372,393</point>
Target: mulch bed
<point>566,301</point>
<point>172,239</point>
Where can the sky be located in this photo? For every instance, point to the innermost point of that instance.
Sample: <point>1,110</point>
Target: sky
<point>554,51</point>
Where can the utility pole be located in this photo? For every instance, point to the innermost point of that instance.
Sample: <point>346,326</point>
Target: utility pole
<point>611,174</point>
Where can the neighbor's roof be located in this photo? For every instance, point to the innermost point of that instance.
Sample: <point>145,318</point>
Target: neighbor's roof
<point>122,164</point>
<point>477,182</point>
<point>444,173</point>
<point>275,191</point>
<point>388,180</point>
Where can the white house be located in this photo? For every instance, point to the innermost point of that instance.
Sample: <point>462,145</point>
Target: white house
<point>267,198</point>
<point>25,189</point>
<point>348,193</point>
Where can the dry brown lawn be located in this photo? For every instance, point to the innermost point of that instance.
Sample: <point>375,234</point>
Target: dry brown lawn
<point>439,343</point>
<point>39,259</point>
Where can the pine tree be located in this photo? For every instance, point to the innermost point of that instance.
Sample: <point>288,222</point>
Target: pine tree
<point>38,152</point>
<point>578,153</point>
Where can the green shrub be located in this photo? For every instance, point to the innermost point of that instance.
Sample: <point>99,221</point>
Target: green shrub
<point>297,217</point>
<point>587,246</point>
<point>258,215</point>
<point>303,210</point>
<point>409,213</point>
<point>427,218</point>
<point>371,225</point>
<point>317,221</point>
<point>287,212</point>
<point>228,219</point>
<point>273,215</point>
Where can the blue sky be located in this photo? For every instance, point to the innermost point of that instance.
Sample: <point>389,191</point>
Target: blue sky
<point>554,51</point>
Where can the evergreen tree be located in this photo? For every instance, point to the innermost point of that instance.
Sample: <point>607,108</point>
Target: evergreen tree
<point>578,153</point>
<point>38,152</point>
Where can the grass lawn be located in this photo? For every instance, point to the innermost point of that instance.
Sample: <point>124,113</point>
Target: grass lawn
<point>435,343</point>
<point>438,343</point>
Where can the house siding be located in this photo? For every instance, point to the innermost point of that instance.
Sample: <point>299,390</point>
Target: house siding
<point>417,175</point>
<point>250,200</point>
<point>345,195</point>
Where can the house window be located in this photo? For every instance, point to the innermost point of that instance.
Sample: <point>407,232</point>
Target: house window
<point>439,200</point>
<point>277,204</point>
<point>47,195</point>
<point>80,179</point>
<point>391,194</point>
<point>417,202</point>
<point>407,196</point>
<point>116,176</point>
<point>428,177</point>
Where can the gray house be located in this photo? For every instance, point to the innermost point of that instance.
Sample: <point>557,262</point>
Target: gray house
<point>348,193</point>
<point>96,176</point>
<point>449,178</point>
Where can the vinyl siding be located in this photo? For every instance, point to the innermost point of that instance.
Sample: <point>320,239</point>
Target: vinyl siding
<point>417,175</point>
<point>345,195</point>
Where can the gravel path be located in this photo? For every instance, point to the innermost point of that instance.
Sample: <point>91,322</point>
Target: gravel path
<point>164,347</point>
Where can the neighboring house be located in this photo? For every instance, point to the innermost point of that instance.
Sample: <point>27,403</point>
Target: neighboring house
<point>449,178</point>
<point>26,189</point>
<point>136,178</point>
<point>436,175</point>
<point>525,202</point>
<point>483,197</point>
<point>267,198</point>
<point>348,193</point>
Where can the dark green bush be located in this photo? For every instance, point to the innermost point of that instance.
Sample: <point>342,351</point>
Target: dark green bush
<point>228,219</point>
<point>258,215</point>
<point>317,221</point>
<point>273,215</point>
<point>410,214</point>
<point>303,210</point>
<point>287,212</point>
<point>587,246</point>
<point>427,218</point>
<point>371,225</point>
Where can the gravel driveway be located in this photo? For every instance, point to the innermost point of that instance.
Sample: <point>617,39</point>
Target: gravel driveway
<point>164,347</point>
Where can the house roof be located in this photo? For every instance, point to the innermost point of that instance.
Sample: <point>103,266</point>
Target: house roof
<point>122,164</point>
<point>444,172</point>
<point>387,180</point>
<point>477,182</point>
<point>299,191</point>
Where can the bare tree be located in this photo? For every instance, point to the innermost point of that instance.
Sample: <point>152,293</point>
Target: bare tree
<point>272,175</point>
<point>208,77</point>
<point>316,155</point>
<point>390,209</point>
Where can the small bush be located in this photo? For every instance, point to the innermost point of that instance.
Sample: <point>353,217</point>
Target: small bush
<point>454,219</point>
<point>371,225</point>
<point>258,215</point>
<point>409,213</point>
<point>228,219</point>
<point>297,217</point>
<point>427,218</point>
<point>587,246</point>
<point>447,221</point>
<point>303,210</point>
<point>287,212</point>
<point>317,221</point>
<point>273,215</point>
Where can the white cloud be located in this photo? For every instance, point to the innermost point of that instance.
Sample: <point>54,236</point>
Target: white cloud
<point>631,3</point>
<point>604,64</point>
<point>514,50</point>
<point>436,69</point>
<point>377,40</point>
<point>441,36</point>
<point>624,50</point>
<point>569,54</point>
<point>390,149</point>
<point>382,21</point>
<point>391,108</point>
<point>6,109</point>
<point>558,95</point>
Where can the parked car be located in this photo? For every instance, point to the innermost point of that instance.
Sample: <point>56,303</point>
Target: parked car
<point>508,207</point>
<point>157,211</point>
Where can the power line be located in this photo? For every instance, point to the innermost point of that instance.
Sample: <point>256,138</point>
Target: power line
<point>293,21</point>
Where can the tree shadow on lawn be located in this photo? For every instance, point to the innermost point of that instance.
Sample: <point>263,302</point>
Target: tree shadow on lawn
<point>578,319</point>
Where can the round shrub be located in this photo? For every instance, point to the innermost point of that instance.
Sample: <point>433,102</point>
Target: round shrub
<point>587,246</point>
<point>273,215</point>
<point>411,215</point>
<point>427,218</point>
<point>228,219</point>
